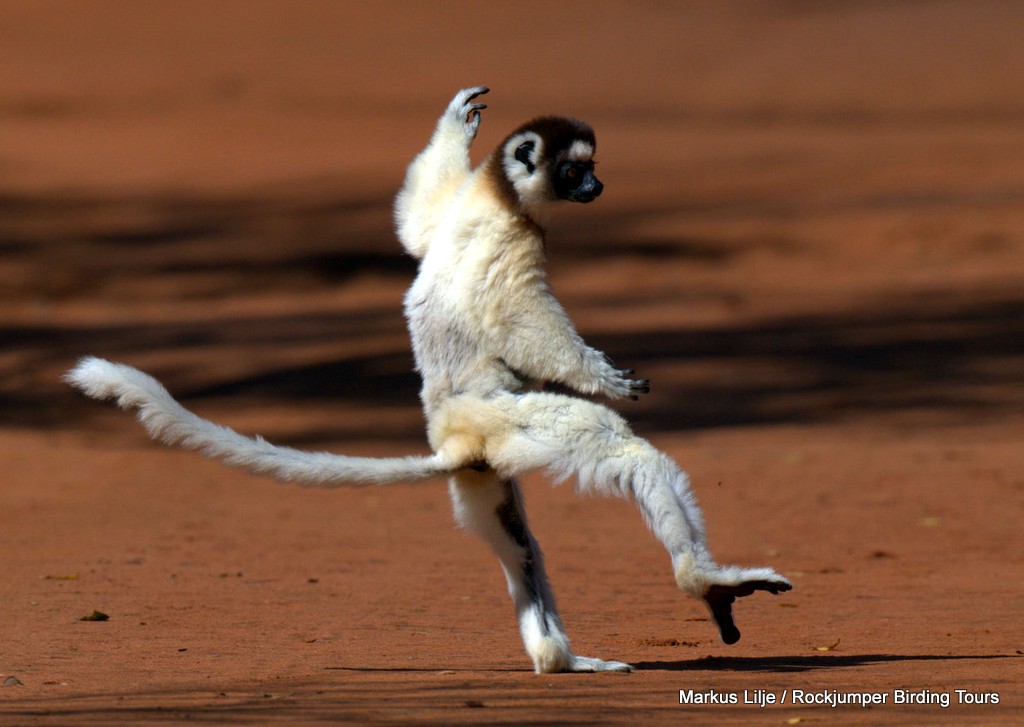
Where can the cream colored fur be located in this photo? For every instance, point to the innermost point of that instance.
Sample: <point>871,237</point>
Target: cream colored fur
<point>486,332</point>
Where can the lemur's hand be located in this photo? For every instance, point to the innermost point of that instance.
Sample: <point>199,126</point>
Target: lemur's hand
<point>464,112</point>
<point>624,387</point>
<point>636,386</point>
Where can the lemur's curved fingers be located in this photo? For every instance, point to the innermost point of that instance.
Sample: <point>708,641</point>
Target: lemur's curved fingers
<point>720,599</point>
<point>465,111</point>
<point>622,386</point>
<point>474,92</point>
<point>474,120</point>
<point>639,386</point>
<point>635,386</point>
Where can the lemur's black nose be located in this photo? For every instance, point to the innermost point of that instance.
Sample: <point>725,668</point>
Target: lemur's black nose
<point>589,190</point>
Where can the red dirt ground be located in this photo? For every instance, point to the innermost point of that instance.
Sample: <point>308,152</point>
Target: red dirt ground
<point>812,241</point>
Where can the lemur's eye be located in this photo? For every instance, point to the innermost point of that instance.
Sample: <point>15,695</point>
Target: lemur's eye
<point>569,172</point>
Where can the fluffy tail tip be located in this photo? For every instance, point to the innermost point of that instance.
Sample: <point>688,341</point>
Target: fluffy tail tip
<point>94,377</point>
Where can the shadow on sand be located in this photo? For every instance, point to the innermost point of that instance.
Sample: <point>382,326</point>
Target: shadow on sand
<point>802,663</point>
<point>935,353</point>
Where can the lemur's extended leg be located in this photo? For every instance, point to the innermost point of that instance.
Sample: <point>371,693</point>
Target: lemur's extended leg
<point>493,509</point>
<point>570,436</point>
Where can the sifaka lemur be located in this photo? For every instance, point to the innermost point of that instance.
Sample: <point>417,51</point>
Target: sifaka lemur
<point>486,333</point>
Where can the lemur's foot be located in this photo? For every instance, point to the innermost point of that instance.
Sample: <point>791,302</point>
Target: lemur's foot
<point>551,655</point>
<point>465,112</point>
<point>720,599</point>
<point>588,664</point>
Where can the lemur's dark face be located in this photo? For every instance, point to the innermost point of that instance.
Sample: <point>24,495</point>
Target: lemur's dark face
<point>575,181</point>
<point>548,159</point>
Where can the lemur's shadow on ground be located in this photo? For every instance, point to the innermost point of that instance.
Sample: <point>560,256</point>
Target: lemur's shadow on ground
<point>778,664</point>
<point>801,663</point>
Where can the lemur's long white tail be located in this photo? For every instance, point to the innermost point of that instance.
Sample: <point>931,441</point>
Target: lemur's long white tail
<point>171,423</point>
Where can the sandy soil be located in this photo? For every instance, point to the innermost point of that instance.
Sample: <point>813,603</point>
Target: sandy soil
<point>812,241</point>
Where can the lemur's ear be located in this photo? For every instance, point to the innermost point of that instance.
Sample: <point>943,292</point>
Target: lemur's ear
<point>523,152</point>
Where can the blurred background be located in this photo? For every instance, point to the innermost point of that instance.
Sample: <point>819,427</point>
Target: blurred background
<point>813,210</point>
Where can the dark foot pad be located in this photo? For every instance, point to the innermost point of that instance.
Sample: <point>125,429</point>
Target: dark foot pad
<point>720,600</point>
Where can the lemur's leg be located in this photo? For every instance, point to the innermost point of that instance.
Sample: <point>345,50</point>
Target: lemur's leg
<point>662,493</point>
<point>570,436</point>
<point>493,509</point>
